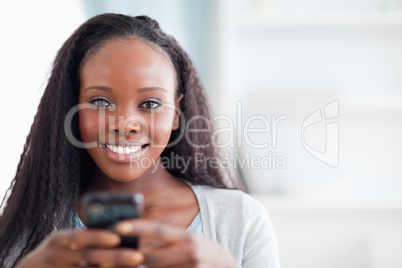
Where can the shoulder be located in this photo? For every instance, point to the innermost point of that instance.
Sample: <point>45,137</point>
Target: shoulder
<point>240,223</point>
<point>230,207</point>
<point>227,199</point>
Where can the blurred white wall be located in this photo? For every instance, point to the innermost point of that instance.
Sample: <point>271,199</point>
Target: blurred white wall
<point>279,58</point>
<point>292,58</point>
<point>31,34</point>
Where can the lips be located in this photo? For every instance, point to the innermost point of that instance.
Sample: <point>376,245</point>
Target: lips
<point>122,143</point>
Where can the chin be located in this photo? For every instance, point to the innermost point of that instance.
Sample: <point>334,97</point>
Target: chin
<point>125,174</point>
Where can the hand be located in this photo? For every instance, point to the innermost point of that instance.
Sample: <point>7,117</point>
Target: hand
<point>166,246</point>
<point>81,248</point>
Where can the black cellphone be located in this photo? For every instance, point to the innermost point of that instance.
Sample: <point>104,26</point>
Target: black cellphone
<point>103,210</point>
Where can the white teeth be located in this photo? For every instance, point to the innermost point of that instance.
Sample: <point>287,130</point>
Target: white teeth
<point>123,150</point>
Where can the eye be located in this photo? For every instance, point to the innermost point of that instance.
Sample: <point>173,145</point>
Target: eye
<point>100,103</point>
<point>150,104</point>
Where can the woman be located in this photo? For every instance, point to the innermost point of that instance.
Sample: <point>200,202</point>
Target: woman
<point>140,108</point>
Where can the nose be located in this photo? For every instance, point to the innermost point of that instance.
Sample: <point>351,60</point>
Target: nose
<point>124,126</point>
<point>131,126</point>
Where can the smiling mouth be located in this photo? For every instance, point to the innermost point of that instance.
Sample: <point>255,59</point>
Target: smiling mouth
<point>124,149</point>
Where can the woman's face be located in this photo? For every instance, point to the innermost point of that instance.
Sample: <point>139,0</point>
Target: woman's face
<point>131,89</point>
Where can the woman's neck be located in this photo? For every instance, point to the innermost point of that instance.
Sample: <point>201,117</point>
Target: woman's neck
<point>155,185</point>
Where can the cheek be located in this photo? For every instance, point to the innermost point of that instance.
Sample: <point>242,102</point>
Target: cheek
<point>162,128</point>
<point>89,125</point>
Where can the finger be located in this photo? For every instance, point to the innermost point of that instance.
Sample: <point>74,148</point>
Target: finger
<point>189,250</point>
<point>151,230</point>
<point>183,265</point>
<point>57,258</point>
<point>79,239</point>
<point>107,257</point>
<point>174,256</point>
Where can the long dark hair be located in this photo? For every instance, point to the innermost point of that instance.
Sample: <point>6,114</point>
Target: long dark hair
<point>52,172</point>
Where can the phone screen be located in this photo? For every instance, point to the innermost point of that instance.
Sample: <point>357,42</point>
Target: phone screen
<point>104,210</point>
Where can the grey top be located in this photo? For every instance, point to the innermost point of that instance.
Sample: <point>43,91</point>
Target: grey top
<point>240,224</point>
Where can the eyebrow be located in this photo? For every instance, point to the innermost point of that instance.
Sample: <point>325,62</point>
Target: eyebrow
<point>145,89</point>
<point>140,90</point>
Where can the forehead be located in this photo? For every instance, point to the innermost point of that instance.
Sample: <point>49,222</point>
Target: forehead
<point>129,59</point>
